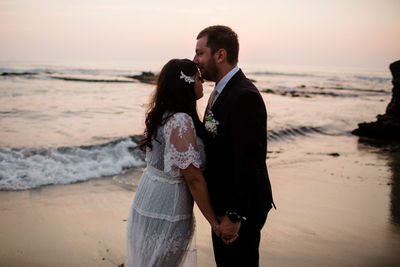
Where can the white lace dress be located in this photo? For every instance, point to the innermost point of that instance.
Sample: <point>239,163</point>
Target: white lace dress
<point>160,229</point>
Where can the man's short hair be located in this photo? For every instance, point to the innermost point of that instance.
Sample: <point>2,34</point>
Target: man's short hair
<point>218,37</point>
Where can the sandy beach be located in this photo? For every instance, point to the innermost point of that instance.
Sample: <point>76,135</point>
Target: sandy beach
<point>338,210</point>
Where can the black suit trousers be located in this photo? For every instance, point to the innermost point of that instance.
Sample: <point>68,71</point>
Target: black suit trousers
<point>243,251</point>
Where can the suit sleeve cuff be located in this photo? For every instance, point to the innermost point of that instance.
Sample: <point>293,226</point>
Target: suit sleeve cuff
<point>236,217</point>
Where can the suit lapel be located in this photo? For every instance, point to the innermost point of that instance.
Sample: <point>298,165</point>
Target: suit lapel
<point>227,89</point>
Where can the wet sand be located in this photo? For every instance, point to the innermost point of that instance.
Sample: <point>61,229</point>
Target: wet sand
<point>337,199</point>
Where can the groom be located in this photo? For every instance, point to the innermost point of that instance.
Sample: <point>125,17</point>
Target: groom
<point>236,145</point>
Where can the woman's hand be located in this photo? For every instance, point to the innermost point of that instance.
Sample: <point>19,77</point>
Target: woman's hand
<point>229,230</point>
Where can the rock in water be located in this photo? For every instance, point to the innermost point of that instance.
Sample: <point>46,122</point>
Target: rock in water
<point>387,125</point>
<point>145,77</point>
<point>394,105</point>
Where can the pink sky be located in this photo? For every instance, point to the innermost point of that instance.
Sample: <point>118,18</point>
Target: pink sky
<point>303,32</point>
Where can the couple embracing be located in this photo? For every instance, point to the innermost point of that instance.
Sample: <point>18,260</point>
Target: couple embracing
<point>219,163</point>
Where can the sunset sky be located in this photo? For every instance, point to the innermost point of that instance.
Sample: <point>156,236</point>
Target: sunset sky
<point>303,32</point>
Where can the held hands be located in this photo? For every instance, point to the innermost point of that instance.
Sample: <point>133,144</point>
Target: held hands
<point>226,230</point>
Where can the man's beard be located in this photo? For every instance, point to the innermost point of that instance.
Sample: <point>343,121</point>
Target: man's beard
<point>210,74</point>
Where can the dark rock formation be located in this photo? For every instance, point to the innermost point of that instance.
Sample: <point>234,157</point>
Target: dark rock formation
<point>387,125</point>
<point>145,77</point>
<point>394,106</point>
<point>18,73</point>
<point>298,93</point>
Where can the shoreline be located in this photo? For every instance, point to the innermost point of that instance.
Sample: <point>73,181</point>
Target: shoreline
<point>332,210</point>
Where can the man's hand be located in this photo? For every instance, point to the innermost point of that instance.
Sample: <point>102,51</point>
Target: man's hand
<point>217,229</point>
<point>229,230</point>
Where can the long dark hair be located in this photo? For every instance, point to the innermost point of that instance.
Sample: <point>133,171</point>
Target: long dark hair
<point>173,94</point>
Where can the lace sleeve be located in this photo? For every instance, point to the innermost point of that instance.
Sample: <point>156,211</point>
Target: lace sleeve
<point>180,143</point>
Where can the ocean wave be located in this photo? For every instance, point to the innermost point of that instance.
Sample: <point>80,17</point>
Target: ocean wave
<point>74,75</point>
<point>292,132</point>
<point>32,167</point>
<point>373,78</point>
<point>378,91</point>
<point>271,73</point>
<point>304,91</point>
<point>295,92</point>
<point>28,168</point>
<point>75,79</point>
<point>14,113</point>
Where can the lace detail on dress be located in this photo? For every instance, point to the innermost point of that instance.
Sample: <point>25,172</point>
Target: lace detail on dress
<point>162,216</point>
<point>183,159</point>
<point>181,148</point>
<point>171,244</point>
<point>170,181</point>
<point>153,242</point>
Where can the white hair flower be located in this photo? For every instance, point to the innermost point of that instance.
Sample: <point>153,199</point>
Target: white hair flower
<point>188,79</point>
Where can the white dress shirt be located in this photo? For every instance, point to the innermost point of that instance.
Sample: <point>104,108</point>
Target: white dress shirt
<point>222,83</point>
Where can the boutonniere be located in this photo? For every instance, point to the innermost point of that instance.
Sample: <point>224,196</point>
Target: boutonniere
<point>211,123</point>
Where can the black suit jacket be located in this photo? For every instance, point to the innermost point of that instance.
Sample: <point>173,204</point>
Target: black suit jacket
<point>236,171</point>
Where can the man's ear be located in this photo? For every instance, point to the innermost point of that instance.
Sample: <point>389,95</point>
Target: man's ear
<point>220,55</point>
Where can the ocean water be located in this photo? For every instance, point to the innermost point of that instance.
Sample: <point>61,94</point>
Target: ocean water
<point>64,123</point>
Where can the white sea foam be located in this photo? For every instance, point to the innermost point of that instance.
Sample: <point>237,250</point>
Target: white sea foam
<point>33,167</point>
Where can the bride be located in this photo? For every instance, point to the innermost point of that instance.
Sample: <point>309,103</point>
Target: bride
<point>161,223</point>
